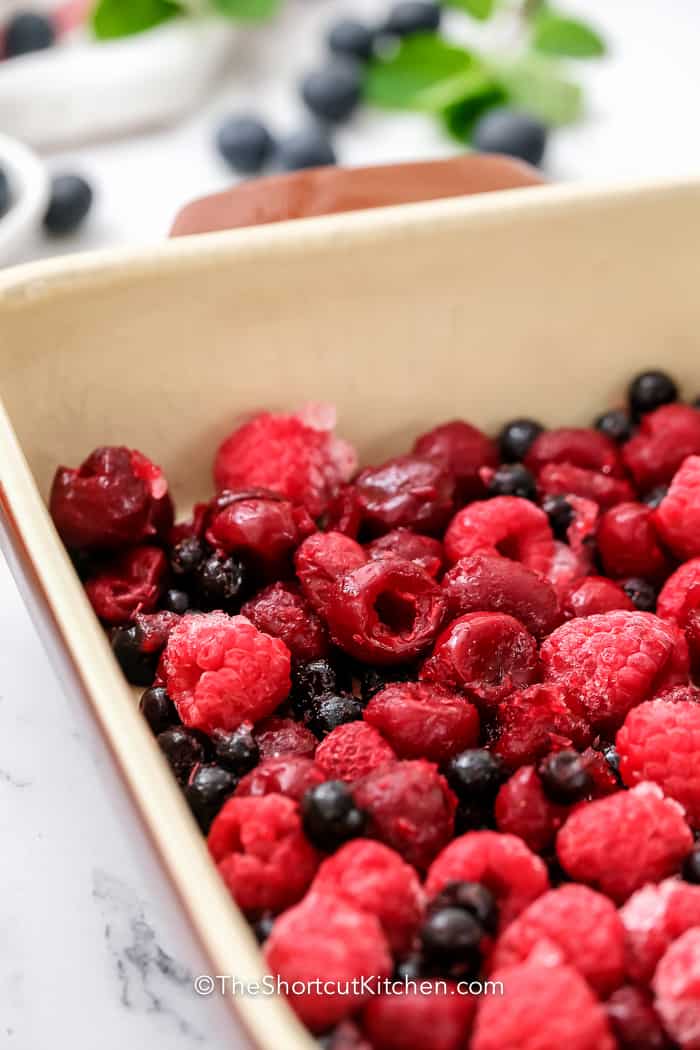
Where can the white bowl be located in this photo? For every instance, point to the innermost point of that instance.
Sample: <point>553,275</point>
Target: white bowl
<point>29,194</point>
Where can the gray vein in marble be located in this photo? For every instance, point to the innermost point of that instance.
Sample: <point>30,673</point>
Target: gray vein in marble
<point>18,782</point>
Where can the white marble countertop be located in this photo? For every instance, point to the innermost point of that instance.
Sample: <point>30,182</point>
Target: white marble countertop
<point>93,951</point>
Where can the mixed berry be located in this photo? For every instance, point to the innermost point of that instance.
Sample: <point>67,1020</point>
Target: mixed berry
<point>438,718</point>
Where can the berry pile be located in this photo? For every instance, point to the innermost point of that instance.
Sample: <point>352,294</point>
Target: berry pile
<point>437,718</point>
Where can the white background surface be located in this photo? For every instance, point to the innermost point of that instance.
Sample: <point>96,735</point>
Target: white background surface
<point>92,950</point>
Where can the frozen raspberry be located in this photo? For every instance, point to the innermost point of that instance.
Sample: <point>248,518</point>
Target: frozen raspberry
<point>259,526</point>
<point>523,809</point>
<point>628,543</point>
<point>115,498</point>
<point>679,602</point>
<point>614,661</point>
<point>284,736</point>
<point>409,492</point>
<point>375,879</point>
<point>579,447</point>
<point>262,853</point>
<point>352,751</point>
<point>431,1016</point>
<point>221,671</point>
<point>536,721</point>
<point>654,917</point>
<point>464,450</point>
<point>678,515</point>
<point>620,842</point>
<point>596,594</point>
<point>385,612</point>
<point>488,654</point>
<point>346,1036</point>
<point>402,543</point>
<point>566,567</point>
<point>633,1020</point>
<point>488,582</point>
<point>423,721</point>
<point>326,939</point>
<point>660,741</point>
<point>130,584</point>
<point>282,611</point>
<point>505,525</point>
<point>664,439</point>
<point>502,863</point>
<point>582,523</point>
<point>154,629</point>
<point>564,479</point>
<point>321,560</point>
<point>289,775</point>
<point>543,1006</point>
<point>410,808</point>
<point>297,456</point>
<point>602,768</point>
<point>676,986</point>
<point>583,924</point>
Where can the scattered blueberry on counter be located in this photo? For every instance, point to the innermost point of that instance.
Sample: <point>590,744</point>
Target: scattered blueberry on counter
<point>412,16</point>
<point>309,148</point>
<point>4,192</point>
<point>351,39</point>
<point>245,144</point>
<point>69,204</point>
<point>504,130</point>
<point>333,93</point>
<point>26,32</point>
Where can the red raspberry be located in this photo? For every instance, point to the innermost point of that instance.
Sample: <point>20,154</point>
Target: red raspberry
<point>654,917</point>
<point>385,612</point>
<point>605,781</point>
<point>375,879</point>
<point>676,986</point>
<point>282,611</point>
<point>407,492</point>
<point>523,809</point>
<point>505,525</point>
<point>326,939</point>
<point>678,515</point>
<point>424,721</point>
<point>628,542</point>
<point>260,526</point>
<point>221,671</point>
<point>665,437</point>
<point>594,595</point>
<point>297,456</point>
<point>410,808</point>
<point>410,546</point>
<point>633,1020</point>
<point>321,560</point>
<point>536,721</point>
<point>352,751</point>
<point>347,1036</point>
<point>154,629</point>
<point>614,661</point>
<point>489,583</point>
<point>488,654</point>
<point>431,1016</point>
<point>679,602</point>
<point>583,924</point>
<point>130,584</point>
<point>542,1007</point>
<point>566,567</point>
<point>563,479</point>
<point>464,450</point>
<point>115,498</point>
<point>581,533</point>
<point>284,736</point>
<point>577,446</point>
<point>620,842</point>
<point>288,775</point>
<point>503,863</point>
<point>262,853</point>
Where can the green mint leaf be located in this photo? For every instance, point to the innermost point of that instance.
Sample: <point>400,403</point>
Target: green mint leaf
<point>461,113</point>
<point>481,9</point>
<point>534,84</point>
<point>556,35</point>
<point>116,18</point>
<point>246,10</point>
<point>401,80</point>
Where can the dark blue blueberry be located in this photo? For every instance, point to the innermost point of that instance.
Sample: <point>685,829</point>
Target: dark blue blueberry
<point>176,601</point>
<point>4,192</point>
<point>245,144</point>
<point>615,425</point>
<point>207,791</point>
<point>508,131</point>
<point>309,148</point>
<point>69,204</point>
<point>237,751</point>
<point>26,32</point>
<point>186,555</point>
<point>650,390</point>
<point>329,712</point>
<point>330,815</point>
<point>512,479</point>
<point>332,93</point>
<point>516,437</point>
<point>219,583</point>
<point>654,498</point>
<point>158,709</point>
<point>412,16</point>
<point>138,667</point>
<point>560,514</point>
<point>183,749</point>
<point>475,775</point>
<point>691,867</point>
<point>564,777</point>
<point>451,936</point>
<point>351,39</point>
<point>642,593</point>
<point>471,897</point>
<point>262,928</point>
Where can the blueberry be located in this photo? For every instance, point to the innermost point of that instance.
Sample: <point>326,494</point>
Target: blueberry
<point>176,601</point>
<point>471,897</point>
<point>183,749</point>
<point>306,149</point>
<point>642,593</point>
<point>138,667</point>
<point>650,390</point>
<point>186,555</point>
<point>70,201</point>
<point>512,479</point>
<point>351,39</point>
<point>612,757</point>
<point>412,16</point>
<point>373,679</point>
<point>691,867</point>
<point>207,791</point>
<point>655,496</point>
<point>560,514</point>
<point>332,93</point>
<point>451,936</point>
<point>312,681</point>
<point>27,32</point>
<point>262,928</point>
<point>615,425</point>
<point>516,437</point>
<point>330,815</point>
<point>4,192</point>
<point>237,751</point>
<point>503,130</point>
<point>475,775</point>
<point>409,969</point>
<point>158,709</point>
<point>564,777</point>
<point>329,712</point>
<point>245,144</point>
<point>219,583</point>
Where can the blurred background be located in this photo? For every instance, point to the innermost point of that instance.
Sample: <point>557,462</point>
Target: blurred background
<point>152,118</point>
